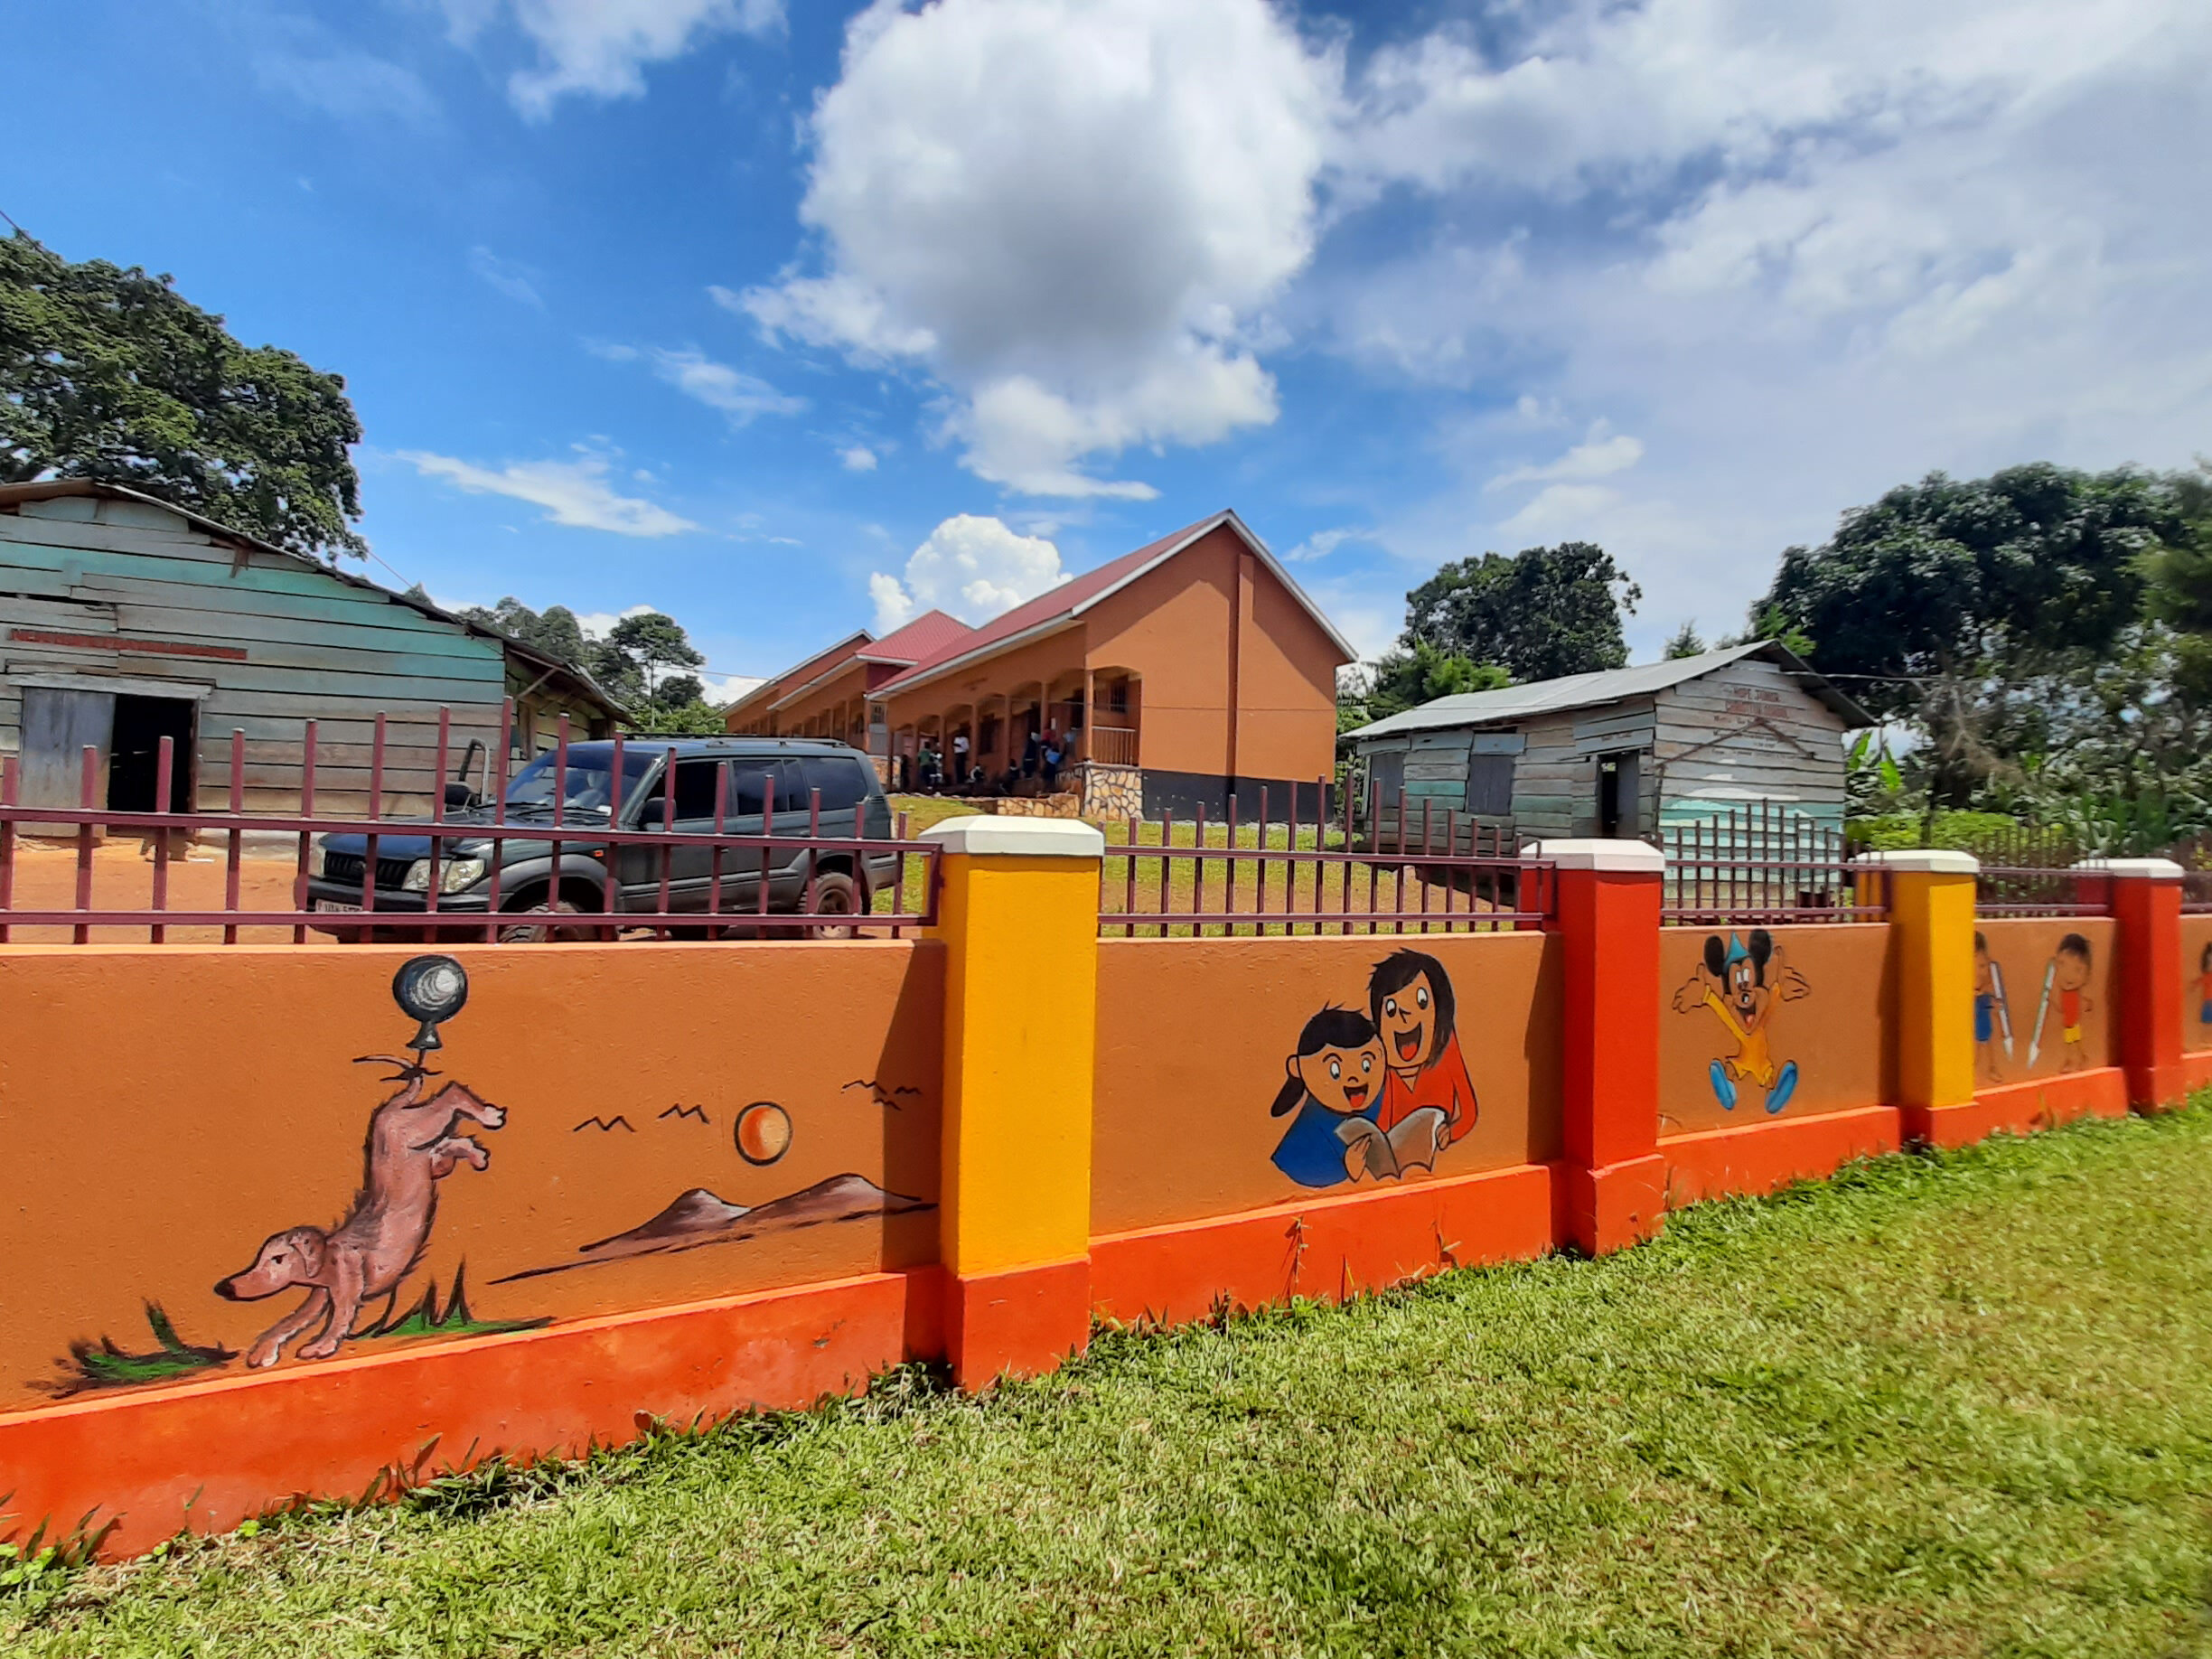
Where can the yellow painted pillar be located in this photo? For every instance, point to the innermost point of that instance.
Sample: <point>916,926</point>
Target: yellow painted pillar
<point>1018,912</point>
<point>1931,896</point>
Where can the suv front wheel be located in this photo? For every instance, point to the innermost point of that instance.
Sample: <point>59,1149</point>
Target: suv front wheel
<point>541,923</point>
<point>836,893</point>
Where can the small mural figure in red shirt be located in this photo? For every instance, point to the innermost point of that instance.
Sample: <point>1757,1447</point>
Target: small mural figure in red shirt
<point>1409,1000</point>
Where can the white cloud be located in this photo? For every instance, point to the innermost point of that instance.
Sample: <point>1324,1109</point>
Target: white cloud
<point>1323,542</point>
<point>301,59</point>
<point>729,687</point>
<point>738,395</point>
<point>572,493</point>
<point>598,624</point>
<point>1069,214</point>
<point>1599,455</point>
<point>975,567</point>
<point>1803,252</point>
<point>516,282</point>
<point>859,458</point>
<point>600,47</point>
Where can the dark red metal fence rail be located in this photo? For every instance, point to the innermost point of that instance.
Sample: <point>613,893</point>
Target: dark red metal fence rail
<point>908,898</point>
<point>2032,890</point>
<point>1288,879</point>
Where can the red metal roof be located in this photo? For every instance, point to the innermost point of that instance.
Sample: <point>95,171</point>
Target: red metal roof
<point>919,640</point>
<point>1045,607</point>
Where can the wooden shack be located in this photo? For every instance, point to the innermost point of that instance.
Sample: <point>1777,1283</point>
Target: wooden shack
<point>1633,752</point>
<point>123,620</point>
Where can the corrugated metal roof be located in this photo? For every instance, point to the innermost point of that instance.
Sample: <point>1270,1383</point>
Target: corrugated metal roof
<point>924,637</point>
<point>1543,697</point>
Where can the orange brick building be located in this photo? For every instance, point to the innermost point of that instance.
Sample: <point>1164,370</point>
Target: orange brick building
<point>1188,670</point>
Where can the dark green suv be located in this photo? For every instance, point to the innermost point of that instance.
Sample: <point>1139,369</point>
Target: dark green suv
<point>594,876</point>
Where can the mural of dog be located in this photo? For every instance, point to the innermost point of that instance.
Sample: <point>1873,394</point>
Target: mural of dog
<point>412,1145</point>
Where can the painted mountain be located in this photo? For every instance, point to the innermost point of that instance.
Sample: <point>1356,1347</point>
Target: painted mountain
<point>698,1218</point>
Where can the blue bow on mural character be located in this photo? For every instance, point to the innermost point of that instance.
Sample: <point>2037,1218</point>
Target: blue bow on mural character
<point>1743,982</point>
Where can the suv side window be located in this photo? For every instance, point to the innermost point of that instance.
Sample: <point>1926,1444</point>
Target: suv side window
<point>843,780</point>
<point>695,791</point>
<point>749,787</point>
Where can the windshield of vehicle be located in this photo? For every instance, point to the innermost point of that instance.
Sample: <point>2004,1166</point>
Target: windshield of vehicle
<point>584,786</point>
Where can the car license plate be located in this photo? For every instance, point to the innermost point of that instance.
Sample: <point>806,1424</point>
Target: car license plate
<point>328,905</point>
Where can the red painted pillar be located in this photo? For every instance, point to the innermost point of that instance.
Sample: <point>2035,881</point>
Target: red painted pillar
<point>2145,897</point>
<point>1608,921</point>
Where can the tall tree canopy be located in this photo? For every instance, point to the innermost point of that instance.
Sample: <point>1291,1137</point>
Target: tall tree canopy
<point>1539,613</point>
<point>1949,579</point>
<point>1403,679</point>
<point>111,374</point>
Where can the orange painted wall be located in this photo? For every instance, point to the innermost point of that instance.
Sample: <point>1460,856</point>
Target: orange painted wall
<point>1286,686</point>
<point>165,1111</point>
<point>849,689</point>
<point>1048,659</point>
<point>1192,1040</point>
<point>2195,951</point>
<point>2022,948</point>
<point>1837,1033</point>
<point>1172,627</point>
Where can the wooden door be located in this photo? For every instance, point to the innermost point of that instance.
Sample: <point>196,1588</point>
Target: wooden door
<point>58,727</point>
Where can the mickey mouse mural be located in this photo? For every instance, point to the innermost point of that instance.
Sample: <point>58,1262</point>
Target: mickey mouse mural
<point>1745,982</point>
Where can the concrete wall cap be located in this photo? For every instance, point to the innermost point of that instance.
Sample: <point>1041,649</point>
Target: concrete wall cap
<point>2134,870</point>
<point>1635,857</point>
<point>1924,860</point>
<point>985,836</point>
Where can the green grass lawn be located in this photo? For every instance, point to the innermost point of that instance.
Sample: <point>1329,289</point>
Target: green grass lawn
<point>1954,1405</point>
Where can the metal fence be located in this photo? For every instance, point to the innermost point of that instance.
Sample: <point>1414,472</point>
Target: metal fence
<point>1765,863</point>
<point>1437,872</point>
<point>761,862</point>
<point>2038,890</point>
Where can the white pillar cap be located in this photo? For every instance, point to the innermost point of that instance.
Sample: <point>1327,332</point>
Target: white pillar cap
<point>1633,857</point>
<point>1924,861</point>
<point>986,836</point>
<point>2132,870</point>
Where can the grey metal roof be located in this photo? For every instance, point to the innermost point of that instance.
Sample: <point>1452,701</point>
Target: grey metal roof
<point>1541,697</point>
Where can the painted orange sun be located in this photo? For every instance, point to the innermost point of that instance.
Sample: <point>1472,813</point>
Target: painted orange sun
<point>763,1132</point>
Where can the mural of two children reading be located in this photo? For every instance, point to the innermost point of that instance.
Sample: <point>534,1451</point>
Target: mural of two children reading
<point>1375,1095</point>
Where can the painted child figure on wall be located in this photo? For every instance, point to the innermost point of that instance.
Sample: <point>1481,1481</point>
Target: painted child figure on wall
<point>2204,987</point>
<point>1991,1012</point>
<point>1744,984</point>
<point>1334,1083</point>
<point>1410,1001</point>
<point>2069,974</point>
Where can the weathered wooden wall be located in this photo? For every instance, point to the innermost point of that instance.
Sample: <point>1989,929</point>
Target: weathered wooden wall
<point>314,647</point>
<point>1745,732</point>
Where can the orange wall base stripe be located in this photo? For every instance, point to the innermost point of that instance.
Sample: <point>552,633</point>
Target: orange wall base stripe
<point>1758,1157</point>
<point>2022,1109</point>
<point>1325,1248</point>
<point>206,1455</point>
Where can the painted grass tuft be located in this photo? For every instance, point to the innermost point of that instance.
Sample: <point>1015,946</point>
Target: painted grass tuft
<point>1940,1405</point>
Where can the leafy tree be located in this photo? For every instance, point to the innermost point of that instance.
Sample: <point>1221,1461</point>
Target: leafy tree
<point>1404,680</point>
<point>110,374</point>
<point>1974,609</point>
<point>651,643</point>
<point>1542,612</point>
<point>2178,571</point>
<point>553,630</point>
<point>1685,642</point>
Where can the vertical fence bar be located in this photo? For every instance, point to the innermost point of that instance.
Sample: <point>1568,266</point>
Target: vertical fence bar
<point>814,858</point>
<point>618,797</point>
<point>1451,879</point>
<point>721,821</point>
<point>1398,869</point>
<point>88,785</point>
<point>560,815</point>
<point>375,799</point>
<point>307,809</point>
<point>231,854</point>
<point>1129,870</point>
<point>1428,852</point>
<point>1230,872</point>
<point>898,893</point>
<point>165,758</point>
<point>499,821</point>
<point>8,790</point>
<point>768,792</point>
<point>437,816</point>
<point>667,827</point>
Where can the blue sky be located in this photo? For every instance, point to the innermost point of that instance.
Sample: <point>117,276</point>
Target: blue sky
<point>786,320</point>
